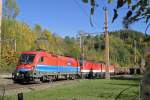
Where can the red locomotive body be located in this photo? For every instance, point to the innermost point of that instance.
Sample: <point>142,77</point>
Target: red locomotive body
<point>45,66</point>
<point>94,69</point>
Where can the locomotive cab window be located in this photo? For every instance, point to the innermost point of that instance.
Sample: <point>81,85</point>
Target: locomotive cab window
<point>26,58</point>
<point>41,59</point>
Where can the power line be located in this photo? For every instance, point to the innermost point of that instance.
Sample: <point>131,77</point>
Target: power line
<point>84,11</point>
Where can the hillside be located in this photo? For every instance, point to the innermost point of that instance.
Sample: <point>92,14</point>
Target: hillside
<point>18,36</point>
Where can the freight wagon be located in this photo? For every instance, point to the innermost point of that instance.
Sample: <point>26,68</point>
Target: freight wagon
<point>43,66</point>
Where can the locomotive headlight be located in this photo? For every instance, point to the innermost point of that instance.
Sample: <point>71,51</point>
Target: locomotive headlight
<point>17,74</point>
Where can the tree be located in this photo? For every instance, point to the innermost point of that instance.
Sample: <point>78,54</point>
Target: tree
<point>24,37</point>
<point>38,29</point>
<point>71,47</point>
<point>10,9</point>
<point>137,10</point>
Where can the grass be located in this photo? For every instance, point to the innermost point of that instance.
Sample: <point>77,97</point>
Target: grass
<point>87,90</point>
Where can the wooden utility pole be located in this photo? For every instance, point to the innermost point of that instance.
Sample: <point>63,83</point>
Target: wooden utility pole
<point>107,74</point>
<point>0,26</point>
<point>15,45</point>
<point>0,16</point>
<point>135,64</point>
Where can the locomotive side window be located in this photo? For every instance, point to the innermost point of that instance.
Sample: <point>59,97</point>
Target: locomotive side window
<point>69,63</point>
<point>41,59</point>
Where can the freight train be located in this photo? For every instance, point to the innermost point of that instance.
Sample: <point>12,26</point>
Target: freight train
<point>43,66</point>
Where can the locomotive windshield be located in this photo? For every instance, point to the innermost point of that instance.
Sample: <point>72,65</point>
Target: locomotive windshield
<point>26,58</point>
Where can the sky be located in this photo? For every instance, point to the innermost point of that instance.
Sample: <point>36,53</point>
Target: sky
<point>68,17</point>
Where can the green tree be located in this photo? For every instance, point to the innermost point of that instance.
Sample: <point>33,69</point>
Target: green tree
<point>22,34</point>
<point>71,47</point>
<point>10,9</point>
<point>137,10</point>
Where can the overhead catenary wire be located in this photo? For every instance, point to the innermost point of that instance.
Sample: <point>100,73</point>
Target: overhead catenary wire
<point>89,33</point>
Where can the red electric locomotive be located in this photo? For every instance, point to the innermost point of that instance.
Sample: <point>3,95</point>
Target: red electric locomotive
<point>41,65</point>
<point>44,66</point>
<point>92,69</point>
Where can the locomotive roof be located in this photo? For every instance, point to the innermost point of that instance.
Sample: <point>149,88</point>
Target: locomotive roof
<point>43,53</point>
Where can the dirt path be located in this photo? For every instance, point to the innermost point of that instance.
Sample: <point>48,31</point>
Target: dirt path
<point>5,78</point>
